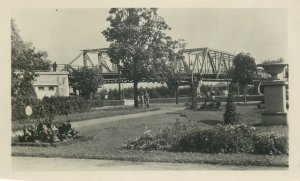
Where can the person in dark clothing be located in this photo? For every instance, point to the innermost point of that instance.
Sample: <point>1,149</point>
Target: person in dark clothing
<point>54,66</point>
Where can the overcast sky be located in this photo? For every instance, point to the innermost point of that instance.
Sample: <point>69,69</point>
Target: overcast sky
<point>64,32</point>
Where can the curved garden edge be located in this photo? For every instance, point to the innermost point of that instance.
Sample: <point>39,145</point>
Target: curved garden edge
<point>163,156</point>
<point>61,143</point>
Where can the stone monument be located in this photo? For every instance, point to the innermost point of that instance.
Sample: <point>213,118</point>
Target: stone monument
<point>274,95</point>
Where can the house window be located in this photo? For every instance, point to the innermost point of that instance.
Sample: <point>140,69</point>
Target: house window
<point>40,88</point>
<point>51,88</point>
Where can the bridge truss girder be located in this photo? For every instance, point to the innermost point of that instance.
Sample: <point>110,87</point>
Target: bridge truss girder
<point>102,60</point>
<point>206,61</point>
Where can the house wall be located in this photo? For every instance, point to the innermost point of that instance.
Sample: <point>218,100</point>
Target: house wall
<point>51,84</point>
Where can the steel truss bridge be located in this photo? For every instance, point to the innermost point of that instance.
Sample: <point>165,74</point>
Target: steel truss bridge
<point>210,64</point>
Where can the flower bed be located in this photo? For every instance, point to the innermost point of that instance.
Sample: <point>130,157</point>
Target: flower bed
<point>44,133</point>
<point>219,139</point>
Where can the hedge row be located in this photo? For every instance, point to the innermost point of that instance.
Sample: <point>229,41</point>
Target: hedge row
<point>154,92</point>
<point>47,106</point>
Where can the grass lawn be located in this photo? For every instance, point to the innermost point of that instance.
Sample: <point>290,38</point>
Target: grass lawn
<point>109,138</point>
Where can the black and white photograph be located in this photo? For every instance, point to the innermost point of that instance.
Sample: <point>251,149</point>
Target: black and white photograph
<point>151,89</point>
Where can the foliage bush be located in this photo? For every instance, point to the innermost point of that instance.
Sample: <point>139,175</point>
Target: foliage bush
<point>40,132</point>
<point>65,105</point>
<point>164,140</point>
<point>270,143</point>
<point>19,104</point>
<point>238,138</point>
<point>45,132</point>
<point>47,107</point>
<point>65,131</point>
<point>95,103</point>
<point>221,139</point>
<point>231,116</point>
<point>146,142</point>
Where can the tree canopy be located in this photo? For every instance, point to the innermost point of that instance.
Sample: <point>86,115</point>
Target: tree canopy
<point>25,60</point>
<point>244,69</point>
<point>138,43</point>
<point>85,80</point>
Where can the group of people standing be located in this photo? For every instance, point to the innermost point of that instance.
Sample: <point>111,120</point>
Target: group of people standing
<point>144,99</point>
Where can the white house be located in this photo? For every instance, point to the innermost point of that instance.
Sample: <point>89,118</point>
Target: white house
<point>51,84</point>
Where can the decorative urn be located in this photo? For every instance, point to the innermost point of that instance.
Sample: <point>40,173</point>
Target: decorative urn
<point>273,69</point>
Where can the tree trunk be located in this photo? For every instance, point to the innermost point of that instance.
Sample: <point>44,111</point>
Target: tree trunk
<point>176,92</point>
<point>135,92</point>
<point>244,90</point>
<point>194,86</point>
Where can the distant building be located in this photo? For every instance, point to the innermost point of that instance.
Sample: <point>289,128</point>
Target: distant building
<point>51,84</point>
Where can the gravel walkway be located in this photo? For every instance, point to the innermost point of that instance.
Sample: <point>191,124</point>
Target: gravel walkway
<point>96,121</point>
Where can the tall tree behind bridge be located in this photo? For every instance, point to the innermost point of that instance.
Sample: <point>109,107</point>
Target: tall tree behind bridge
<point>25,59</point>
<point>243,71</point>
<point>138,43</point>
<point>86,81</point>
<point>171,70</point>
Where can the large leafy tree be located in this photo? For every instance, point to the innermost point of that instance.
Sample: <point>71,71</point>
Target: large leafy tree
<point>86,80</point>
<point>25,60</point>
<point>244,69</point>
<point>172,73</point>
<point>138,43</point>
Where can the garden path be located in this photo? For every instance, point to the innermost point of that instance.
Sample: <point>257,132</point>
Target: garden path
<point>63,164</point>
<point>92,122</point>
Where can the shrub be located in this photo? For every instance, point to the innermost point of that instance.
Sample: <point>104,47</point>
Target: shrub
<point>232,139</point>
<point>270,143</point>
<point>164,140</point>
<point>65,131</point>
<point>221,139</point>
<point>95,103</point>
<point>195,141</point>
<point>145,142</point>
<point>18,107</point>
<point>44,131</point>
<point>231,116</point>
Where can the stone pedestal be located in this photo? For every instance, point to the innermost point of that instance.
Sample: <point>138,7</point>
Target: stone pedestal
<point>275,102</point>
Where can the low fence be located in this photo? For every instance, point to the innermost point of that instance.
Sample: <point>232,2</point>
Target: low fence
<point>129,102</point>
<point>101,103</point>
<point>217,98</point>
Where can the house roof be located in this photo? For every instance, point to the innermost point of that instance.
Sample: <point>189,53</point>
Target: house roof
<point>53,73</point>
<point>45,84</point>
